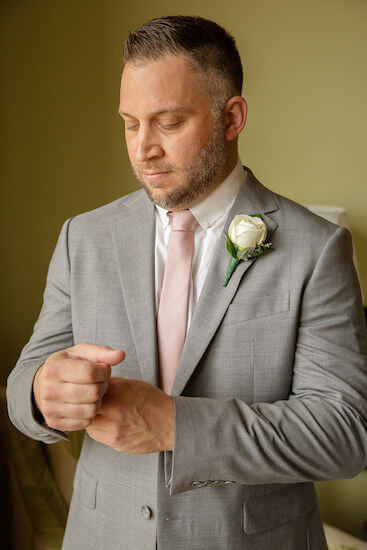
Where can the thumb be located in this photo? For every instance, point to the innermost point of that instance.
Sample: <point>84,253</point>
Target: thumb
<point>97,354</point>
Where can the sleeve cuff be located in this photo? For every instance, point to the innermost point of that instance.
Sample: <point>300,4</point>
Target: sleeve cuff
<point>20,407</point>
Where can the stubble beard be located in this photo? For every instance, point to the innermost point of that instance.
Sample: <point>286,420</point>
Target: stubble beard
<point>196,179</point>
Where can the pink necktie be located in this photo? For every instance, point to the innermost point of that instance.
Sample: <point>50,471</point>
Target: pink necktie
<point>174,301</point>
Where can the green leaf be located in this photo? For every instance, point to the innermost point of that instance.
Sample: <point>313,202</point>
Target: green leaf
<point>244,253</point>
<point>256,216</point>
<point>259,252</point>
<point>231,247</point>
<point>232,266</point>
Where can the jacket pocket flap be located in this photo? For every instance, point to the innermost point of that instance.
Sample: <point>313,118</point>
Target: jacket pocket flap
<point>263,306</point>
<point>278,507</point>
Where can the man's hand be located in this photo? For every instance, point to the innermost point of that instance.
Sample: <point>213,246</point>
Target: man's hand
<point>134,417</point>
<point>69,386</point>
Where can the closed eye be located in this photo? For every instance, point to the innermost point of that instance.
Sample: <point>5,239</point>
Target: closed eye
<point>170,126</point>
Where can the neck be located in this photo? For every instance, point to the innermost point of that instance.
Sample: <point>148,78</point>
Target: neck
<point>227,169</point>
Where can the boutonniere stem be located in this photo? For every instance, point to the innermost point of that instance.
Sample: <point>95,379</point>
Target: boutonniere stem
<point>232,266</point>
<point>245,240</point>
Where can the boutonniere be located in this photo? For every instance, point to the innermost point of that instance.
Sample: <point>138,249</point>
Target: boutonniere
<point>245,240</point>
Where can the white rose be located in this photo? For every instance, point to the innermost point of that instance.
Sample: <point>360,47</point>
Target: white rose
<point>247,231</point>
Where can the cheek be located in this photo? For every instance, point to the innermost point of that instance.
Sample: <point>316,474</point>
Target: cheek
<point>185,149</point>
<point>129,148</point>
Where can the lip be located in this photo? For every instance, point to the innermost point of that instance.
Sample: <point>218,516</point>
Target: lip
<point>155,175</point>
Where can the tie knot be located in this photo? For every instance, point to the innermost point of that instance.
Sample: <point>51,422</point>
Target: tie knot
<point>183,220</point>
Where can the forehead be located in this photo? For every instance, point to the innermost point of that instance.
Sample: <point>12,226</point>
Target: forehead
<point>153,85</point>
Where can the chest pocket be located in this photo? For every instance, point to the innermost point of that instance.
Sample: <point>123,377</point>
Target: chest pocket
<point>260,306</point>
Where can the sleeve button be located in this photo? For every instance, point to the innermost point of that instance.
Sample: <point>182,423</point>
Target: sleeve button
<point>146,512</point>
<point>197,484</point>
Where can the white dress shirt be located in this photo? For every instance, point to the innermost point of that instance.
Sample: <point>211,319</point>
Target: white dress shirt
<point>211,215</point>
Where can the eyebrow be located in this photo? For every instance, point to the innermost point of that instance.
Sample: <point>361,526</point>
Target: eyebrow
<point>161,111</point>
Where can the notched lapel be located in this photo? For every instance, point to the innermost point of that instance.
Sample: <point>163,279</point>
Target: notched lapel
<point>135,258</point>
<point>253,198</point>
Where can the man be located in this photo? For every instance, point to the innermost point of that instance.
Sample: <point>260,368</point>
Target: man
<point>209,410</point>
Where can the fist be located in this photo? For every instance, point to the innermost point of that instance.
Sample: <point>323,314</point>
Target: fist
<point>69,386</point>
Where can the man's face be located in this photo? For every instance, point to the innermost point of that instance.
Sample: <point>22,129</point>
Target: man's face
<point>176,147</point>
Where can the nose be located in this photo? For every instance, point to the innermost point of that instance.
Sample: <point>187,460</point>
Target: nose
<point>147,145</point>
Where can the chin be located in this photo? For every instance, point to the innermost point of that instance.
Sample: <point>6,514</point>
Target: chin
<point>158,196</point>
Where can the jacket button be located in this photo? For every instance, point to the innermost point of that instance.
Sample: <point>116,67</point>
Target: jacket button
<point>146,512</point>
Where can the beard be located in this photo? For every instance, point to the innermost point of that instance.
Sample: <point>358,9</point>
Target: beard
<point>196,179</point>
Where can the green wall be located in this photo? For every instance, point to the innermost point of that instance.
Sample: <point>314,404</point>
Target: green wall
<point>62,149</point>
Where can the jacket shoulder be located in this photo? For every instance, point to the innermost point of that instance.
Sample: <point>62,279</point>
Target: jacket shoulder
<point>289,215</point>
<point>298,214</point>
<point>130,201</point>
<point>98,221</point>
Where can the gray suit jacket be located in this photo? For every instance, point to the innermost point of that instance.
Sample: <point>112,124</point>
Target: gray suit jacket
<point>270,393</point>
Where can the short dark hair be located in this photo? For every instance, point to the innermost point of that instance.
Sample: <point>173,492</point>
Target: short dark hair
<point>208,45</point>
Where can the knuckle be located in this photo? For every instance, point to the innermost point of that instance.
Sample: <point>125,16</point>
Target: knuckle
<point>73,392</point>
<point>53,423</point>
<point>104,372</point>
<point>80,425</point>
<point>89,372</point>
<point>85,424</point>
<point>94,392</point>
<point>49,370</point>
<point>48,393</point>
<point>92,410</point>
<point>78,346</point>
<point>52,357</point>
<point>115,430</point>
<point>73,411</point>
<point>103,389</point>
<point>55,357</point>
<point>53,367</point>
<point>48,411</point>
<point>117,443</point>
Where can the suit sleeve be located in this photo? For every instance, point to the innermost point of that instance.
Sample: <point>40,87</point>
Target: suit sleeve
<point>319,432</point>
<point>52,332</point>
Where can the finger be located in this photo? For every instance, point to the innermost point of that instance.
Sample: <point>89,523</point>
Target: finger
<point>83,393</point>
<point>76,371</point>
<point>57,411</point>
<point>68,424</point>
<point>97,354</point>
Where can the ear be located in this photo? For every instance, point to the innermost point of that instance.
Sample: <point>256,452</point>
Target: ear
<point>235,113</point>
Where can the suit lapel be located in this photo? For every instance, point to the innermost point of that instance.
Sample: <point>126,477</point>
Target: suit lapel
<point>135,258</point>
<point>253,198</point>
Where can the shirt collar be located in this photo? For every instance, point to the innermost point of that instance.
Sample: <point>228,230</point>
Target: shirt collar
<point>217,204</point>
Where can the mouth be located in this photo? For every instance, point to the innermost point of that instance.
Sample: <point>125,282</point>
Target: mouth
<point>153,176</point>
